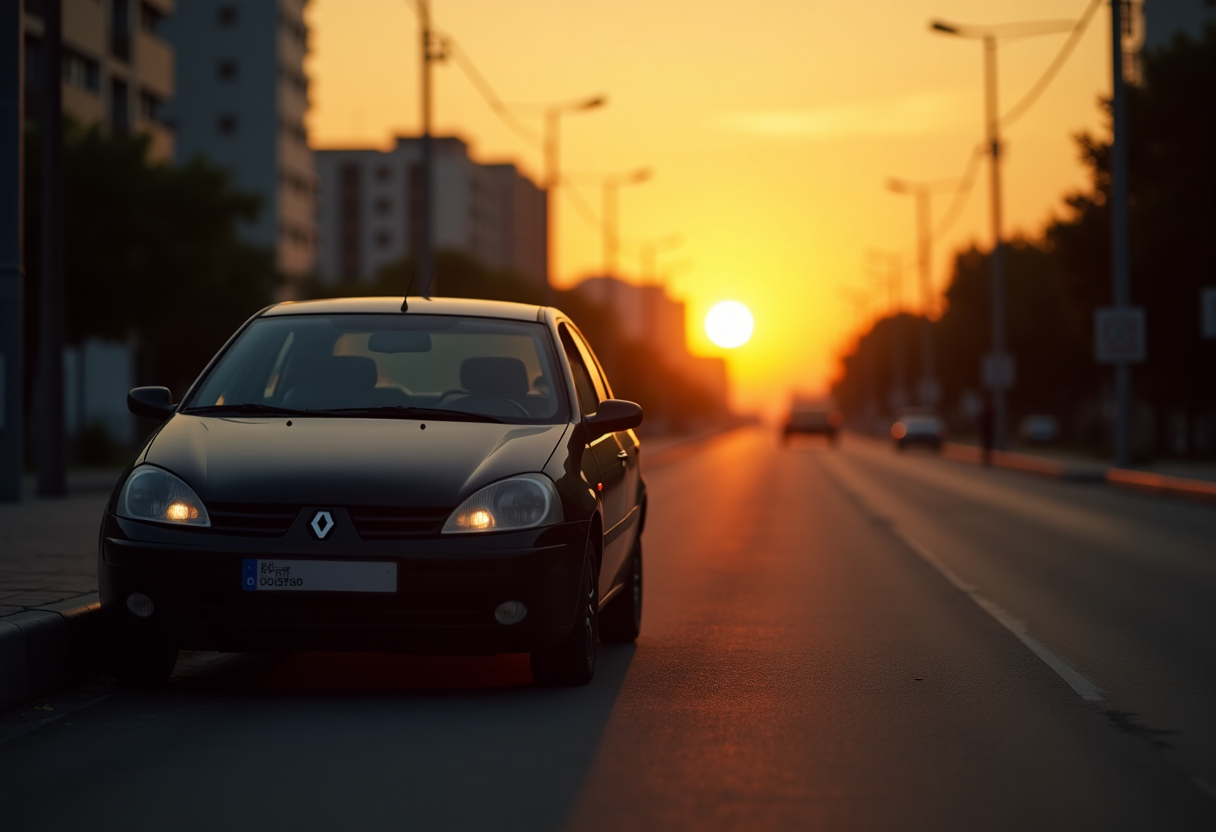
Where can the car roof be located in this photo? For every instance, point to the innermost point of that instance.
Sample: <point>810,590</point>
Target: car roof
<point>417,306</point>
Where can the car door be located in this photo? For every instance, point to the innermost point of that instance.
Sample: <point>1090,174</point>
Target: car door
<point>601,464</point>
<point>619,450</point>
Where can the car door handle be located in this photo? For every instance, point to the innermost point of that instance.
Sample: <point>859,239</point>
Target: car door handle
<point>623,455</point>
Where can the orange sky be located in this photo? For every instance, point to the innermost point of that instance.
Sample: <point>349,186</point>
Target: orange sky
<point>771,127</point>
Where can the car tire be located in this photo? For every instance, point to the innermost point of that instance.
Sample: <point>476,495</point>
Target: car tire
<point>573,661</point>
<point>143,663</point>
<point>622,619</point>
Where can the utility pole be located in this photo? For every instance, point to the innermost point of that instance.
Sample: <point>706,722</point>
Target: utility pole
<point>426,225</point>
<point>899,394</point>
<point>48,448</point>
<point>999,380</point>
<point>1119,231</point>
<point>612,236</point>
<point>12,272</point>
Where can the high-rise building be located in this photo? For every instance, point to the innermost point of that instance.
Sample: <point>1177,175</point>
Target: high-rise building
<point>371,200</point>
<point>241,100</point>
<point>117,66</point>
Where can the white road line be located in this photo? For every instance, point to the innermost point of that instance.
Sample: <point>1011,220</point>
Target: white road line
<point>1084,688</point>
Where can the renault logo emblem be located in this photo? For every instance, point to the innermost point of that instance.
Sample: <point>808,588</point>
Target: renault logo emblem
<point>322,524</point>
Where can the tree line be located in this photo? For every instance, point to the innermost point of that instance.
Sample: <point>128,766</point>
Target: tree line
<point>1056,280</point>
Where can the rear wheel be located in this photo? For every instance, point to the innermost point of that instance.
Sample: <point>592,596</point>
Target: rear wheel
<point>622,620</point>
<point>144,663</point>
<point>573,661</point>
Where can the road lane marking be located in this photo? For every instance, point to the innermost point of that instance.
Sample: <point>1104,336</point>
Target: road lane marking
<point>1083,687</point>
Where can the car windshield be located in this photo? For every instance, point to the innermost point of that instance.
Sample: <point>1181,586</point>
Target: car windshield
<point>389,366</point>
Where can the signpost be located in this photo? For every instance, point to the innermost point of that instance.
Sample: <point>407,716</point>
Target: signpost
<point>1119,335</point>
<point>1207,301</point>
<point>998,371</point>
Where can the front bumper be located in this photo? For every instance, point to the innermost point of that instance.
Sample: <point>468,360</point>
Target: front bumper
<point>447,590</point>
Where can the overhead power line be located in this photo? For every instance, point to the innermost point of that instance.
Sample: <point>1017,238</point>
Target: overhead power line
<point>1018,110</point>
<point>487,92</point>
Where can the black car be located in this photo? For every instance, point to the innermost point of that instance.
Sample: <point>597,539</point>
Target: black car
<point>450,477</point>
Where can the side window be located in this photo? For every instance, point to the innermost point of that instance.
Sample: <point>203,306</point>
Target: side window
<point>593,366</point>
<point>588,400</point>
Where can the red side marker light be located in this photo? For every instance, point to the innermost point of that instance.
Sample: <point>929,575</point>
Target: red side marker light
<point>599,486</point>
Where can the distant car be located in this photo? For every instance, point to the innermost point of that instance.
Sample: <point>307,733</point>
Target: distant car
<point>918,427</point>
<point>345,475</point>
<point>1039,429</point>
<point>812,418</point>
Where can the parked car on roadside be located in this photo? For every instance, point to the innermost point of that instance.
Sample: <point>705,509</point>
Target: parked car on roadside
<point>1039,429</point>
<point>918,426</point>
<point>347,475</point>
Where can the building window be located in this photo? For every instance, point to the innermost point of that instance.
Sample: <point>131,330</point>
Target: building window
<point>149,106</point>
<point>120,108</point>
<point>383,239</point>
<point>383,206</point>
<point>226,124</point>
<point>226,70</point>
<point>81,72</point>
<point>384,173</point>
<point>226,15</point>
<point>349,224</point>
<point>150,18</point>
<point>120,29</point>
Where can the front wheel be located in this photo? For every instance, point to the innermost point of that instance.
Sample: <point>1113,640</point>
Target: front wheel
<point>623,618</point>
<point>573,661</point>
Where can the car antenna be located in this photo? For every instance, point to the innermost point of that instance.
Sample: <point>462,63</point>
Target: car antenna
<point>405,302</point>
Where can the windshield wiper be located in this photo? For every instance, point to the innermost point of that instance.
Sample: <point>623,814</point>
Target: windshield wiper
<point>403,412</point>
<point>246,409</point>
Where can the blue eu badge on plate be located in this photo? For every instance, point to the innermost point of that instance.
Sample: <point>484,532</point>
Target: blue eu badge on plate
<point>249,577</point>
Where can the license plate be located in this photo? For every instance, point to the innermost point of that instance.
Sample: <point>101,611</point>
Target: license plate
<point>318,576</point>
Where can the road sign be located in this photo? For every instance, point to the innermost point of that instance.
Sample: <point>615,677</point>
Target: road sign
<point>928,392</point>
<point>1207,300</point>
<point>998,371</point>
<point>1119,335</point>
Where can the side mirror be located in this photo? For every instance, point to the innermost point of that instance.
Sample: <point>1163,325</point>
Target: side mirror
<point>153,402</point>
<point>614,415</point>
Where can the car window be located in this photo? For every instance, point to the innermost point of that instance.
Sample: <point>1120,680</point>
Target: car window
<point>593,366</point>
<point>588,398</point>
<point>497,368</point>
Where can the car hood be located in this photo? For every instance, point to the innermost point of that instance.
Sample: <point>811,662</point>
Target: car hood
<point>346,461</point>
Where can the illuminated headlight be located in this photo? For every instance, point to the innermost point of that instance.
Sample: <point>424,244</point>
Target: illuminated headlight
<point>152,493</point>
<point>518,503</point>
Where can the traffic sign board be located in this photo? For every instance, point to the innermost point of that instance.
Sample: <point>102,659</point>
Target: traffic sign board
<point>998,371</point>
<point>1207,297</point>
<point>1119,335</point>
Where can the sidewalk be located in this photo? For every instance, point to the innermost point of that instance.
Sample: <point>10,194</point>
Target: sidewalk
<point>1177,478</point>
<point>49,609</point>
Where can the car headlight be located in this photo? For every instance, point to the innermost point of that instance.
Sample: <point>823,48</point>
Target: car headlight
<point>516,503</point>
<point>152,493</point>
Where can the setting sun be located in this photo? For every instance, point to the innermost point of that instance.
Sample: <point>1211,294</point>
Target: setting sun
<point>729,324</point>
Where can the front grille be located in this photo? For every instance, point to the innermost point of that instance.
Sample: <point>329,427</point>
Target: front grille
<point>252,519</point>
<point>395,523</point>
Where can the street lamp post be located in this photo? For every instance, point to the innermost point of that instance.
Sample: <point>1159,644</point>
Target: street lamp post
<point>1000,365</point>
<point>612,238</point>
<point>552,122</point>
<point>650,253</point>
<point>928,390</point>
<point>12,272</point>
<point>432,51</point>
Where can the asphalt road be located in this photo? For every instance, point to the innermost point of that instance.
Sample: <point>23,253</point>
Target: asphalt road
<point>851,639</point>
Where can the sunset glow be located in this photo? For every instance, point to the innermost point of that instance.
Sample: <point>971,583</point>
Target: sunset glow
<point>729,324</point>
<point>771,127</point>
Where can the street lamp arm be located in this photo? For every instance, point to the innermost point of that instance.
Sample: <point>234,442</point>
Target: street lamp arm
<point>1003,31</point>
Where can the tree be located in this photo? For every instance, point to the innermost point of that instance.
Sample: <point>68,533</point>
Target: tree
<point>152,253</point>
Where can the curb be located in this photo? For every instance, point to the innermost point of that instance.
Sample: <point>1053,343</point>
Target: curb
<point>48,647</point>
<point>1142,481</point>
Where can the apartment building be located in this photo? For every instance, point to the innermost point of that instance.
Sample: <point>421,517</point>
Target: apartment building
<point>118,69</point>
<point>242,96</point>
<point>371,201</point>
